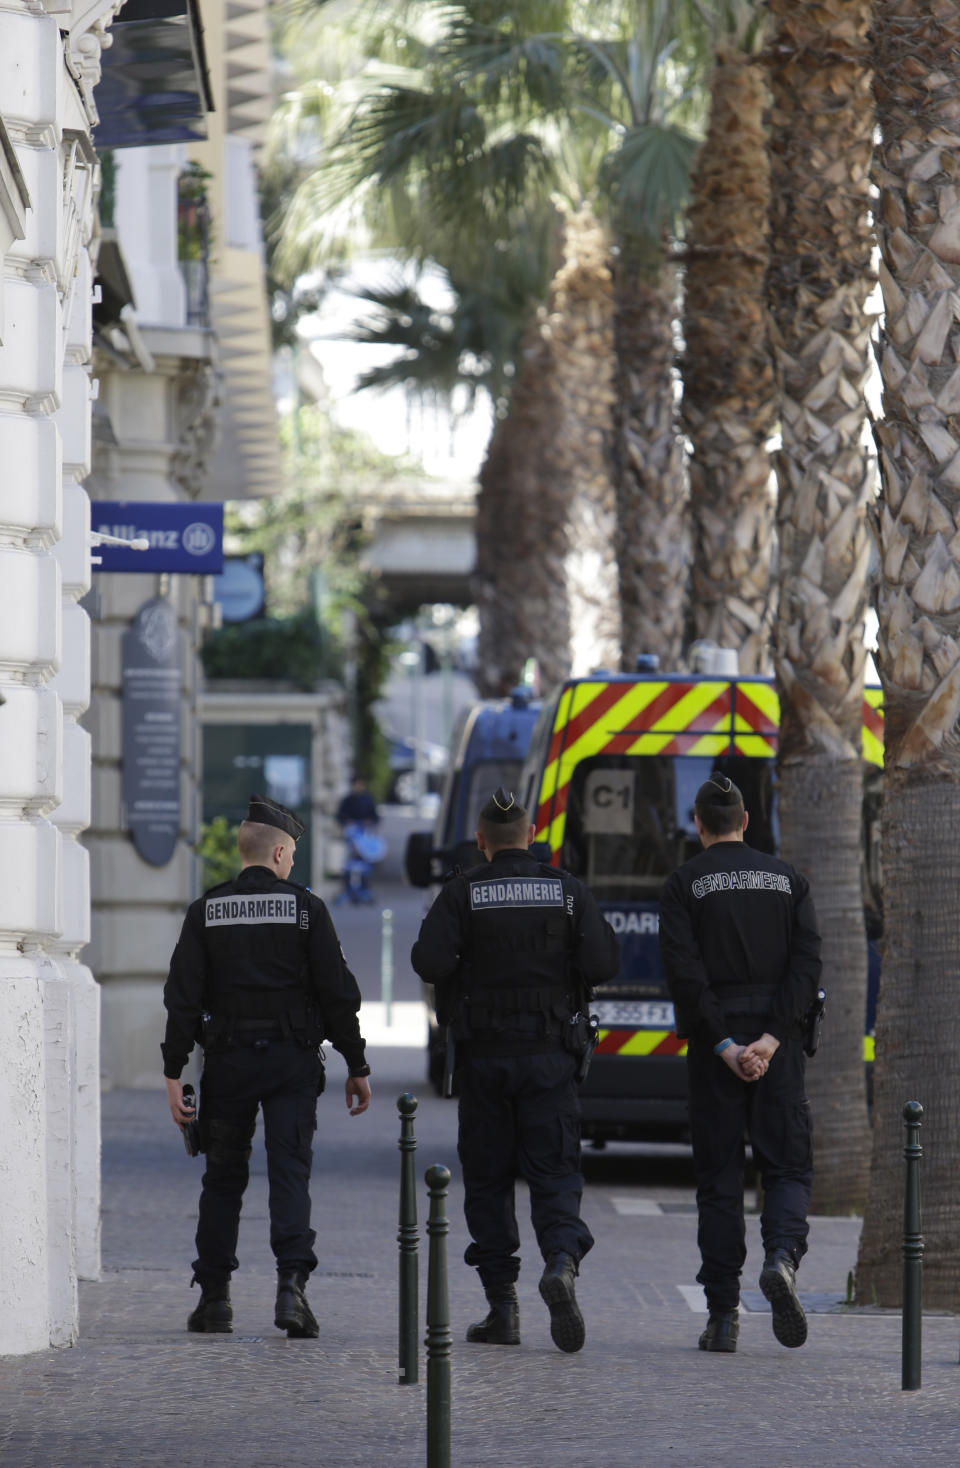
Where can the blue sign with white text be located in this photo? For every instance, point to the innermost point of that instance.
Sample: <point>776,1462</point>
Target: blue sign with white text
<point>182,537</point>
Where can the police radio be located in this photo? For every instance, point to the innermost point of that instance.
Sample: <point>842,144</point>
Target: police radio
<point>812,1021</point>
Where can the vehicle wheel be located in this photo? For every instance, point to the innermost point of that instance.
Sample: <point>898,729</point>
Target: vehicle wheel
<point>405,788</point>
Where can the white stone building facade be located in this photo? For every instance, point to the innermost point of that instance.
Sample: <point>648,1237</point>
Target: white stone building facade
<point>49,1002</point>
<point>157,418</point>
<point>185,413</point>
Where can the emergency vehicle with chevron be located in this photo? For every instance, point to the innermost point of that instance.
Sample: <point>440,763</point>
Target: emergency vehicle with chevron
<point>611,773</point>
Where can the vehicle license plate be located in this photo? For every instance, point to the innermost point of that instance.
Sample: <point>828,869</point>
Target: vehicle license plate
<point>640,1013</point>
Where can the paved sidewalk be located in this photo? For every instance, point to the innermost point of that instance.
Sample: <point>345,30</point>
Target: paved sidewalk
<point>138,1390</point>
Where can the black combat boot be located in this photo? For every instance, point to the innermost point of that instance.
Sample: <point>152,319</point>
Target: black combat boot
<point>502,1325</point>
<point>213,1315</point>
<point>293,1314</point>
<point>722,1331</point>
<point>556,1286</point>
<point>778,1281</point>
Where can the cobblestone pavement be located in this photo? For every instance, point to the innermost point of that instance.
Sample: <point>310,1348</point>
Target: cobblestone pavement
<point>138,1390</point>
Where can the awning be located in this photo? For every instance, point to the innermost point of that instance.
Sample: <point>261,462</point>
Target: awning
<point>154,85</point>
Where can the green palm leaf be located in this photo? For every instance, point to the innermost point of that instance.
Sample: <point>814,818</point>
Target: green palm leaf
<point>440,350</point>
<point>648,177</point>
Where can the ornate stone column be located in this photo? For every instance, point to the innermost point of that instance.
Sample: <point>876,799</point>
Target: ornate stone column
<point>49,1156</point>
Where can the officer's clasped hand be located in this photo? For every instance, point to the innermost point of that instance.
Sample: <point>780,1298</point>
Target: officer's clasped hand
<point>731,1058</point>
<point>752,1061</point>
<point>751,1066</point>
<point>745,1065</point>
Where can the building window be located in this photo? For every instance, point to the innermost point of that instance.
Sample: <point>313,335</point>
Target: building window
<point>193,241</point>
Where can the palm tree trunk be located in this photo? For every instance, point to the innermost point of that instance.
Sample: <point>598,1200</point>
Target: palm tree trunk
<point>917,81</point>
<point>518,581</point>
<point>581,328</point>
<point>729,394</point>
<point>546,577</point>
<point>653,535</point>
<point>820,802</point>
<point>820,277</point>
<point>916,1045</point>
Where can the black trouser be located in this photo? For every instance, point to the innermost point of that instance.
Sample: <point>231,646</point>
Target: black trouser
<point>520,1116</point>
<point>775,1114</point>
<point>281,1077</point>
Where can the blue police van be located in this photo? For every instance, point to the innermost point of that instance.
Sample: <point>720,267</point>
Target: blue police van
<point>611,774</point>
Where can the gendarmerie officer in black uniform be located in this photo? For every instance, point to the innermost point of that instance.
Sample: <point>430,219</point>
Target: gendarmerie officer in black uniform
<point>741,950</point>
<point>258,977</point>
<point>512,948</point>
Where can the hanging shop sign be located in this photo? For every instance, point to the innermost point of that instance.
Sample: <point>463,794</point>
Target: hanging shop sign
<point>151,731</point>
<point>187,538</point>
<point>240,590</point>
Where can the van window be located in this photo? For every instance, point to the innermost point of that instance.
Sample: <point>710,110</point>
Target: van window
<point>485,777</point>
<point>537,757</point>
<point>629,819</point>
<point>446,815</point>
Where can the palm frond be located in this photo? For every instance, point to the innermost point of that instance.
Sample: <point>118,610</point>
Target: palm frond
<point>400,128</point>
<point>315,231</point>
<point>443,351</point>
<point>527,73</point>
<point>451,135</point>
<point>470,344</point>
<point>599,72</point>
<point>648,177</point>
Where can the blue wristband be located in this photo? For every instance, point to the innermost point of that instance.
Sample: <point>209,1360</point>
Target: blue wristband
<point>719,1049</point>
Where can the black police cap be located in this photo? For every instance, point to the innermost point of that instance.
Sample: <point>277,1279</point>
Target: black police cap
<point>719,791</point>
<point>502,809</point>
<point>268,812</point>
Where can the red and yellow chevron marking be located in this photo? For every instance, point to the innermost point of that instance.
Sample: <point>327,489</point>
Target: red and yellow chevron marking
<point>665,1042</point>
<point>873,725</point>
<point>707,717</point>
<point>702,717</point>
<point>756,720</point>
<point>639,1042</point>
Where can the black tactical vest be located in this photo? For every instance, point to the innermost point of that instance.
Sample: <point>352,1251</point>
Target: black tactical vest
<point>517,981</point>
<point>255,934</point>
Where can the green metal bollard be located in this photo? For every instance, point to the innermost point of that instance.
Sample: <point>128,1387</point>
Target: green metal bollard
<point>912,1252</point>
<point>386,963</point>
<point>438,1324</point>
<point>407,1239</point>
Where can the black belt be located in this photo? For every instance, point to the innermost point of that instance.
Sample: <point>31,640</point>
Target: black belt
<point>247,1033</point>
<point>268,1029</point>
<point>747,1001</point>
<point>517,999</point>
<point>490,1045</point>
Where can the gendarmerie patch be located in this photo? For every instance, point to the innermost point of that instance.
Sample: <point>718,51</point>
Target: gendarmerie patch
<point>741,881</point>
<point>224,912</point>
<point>516,892</point>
